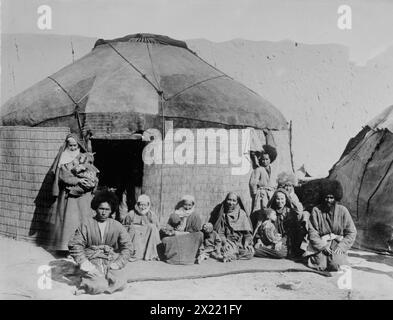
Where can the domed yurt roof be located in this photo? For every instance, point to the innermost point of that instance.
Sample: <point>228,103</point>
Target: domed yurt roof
<point>147,74</point>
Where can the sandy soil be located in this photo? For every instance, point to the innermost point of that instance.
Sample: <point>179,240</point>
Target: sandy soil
<point>372,278</point>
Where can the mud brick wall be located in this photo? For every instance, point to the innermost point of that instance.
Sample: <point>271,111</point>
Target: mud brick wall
<point>26,154</point>
<point>208,183</point>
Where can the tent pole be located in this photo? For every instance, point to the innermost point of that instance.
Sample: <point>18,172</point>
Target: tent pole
<point>162,107</point>
<point>290,144</point>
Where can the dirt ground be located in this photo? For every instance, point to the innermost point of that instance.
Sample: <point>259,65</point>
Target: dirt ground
<point>371,278</point>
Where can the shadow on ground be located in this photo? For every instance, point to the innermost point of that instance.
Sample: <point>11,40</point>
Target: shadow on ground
<point>65,271</point>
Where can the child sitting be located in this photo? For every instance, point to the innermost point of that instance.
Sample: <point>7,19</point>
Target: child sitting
<point>269,242</point>
<point>211,244</point>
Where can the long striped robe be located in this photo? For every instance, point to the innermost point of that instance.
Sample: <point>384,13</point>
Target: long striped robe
<point>115,246</point>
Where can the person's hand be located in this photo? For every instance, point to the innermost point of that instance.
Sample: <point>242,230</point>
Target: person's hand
<point>327,251</point>
<point>84,182</point>
<point>90,269</point>
<point>258,244</point>
<point>338,250</point>
<point>114,266</point>
<point>278,246</point>
<point>332,236</point>
<point>86,266</point>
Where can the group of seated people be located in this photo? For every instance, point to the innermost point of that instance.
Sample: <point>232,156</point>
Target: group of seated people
<point>103,245</point>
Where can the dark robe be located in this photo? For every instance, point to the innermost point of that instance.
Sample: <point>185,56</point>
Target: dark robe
<point>234,228</point>
<point>183,248</point>
<point>338,222</point>
<point>115,247</point>
<point>68,211</point>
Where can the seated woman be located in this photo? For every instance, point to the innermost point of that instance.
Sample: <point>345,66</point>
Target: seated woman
<point>232,224</point>
<point>142,226</point>
<point>101,247</point>
<point>288,181</point>
<point>287,223</point>
<point>268,240</point>
<point>182,238</point>
<point>331,231</point>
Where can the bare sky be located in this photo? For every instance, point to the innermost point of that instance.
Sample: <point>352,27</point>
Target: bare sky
<point>308,21</point>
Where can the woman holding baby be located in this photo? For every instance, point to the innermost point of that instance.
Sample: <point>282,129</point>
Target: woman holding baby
<point>75,177</point>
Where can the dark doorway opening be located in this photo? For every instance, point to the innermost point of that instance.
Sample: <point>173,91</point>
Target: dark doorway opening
<point>121,167</point>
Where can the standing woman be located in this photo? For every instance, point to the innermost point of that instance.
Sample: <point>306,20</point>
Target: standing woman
<point>68,210</point>
<point>232,224</point>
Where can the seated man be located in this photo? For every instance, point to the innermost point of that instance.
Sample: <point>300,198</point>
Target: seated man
<point>331,231</point>
<point>101,247</point>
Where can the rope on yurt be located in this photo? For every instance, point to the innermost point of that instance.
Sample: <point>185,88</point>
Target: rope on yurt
<point>135,68</point>
<point>76,110</point>
<point>161,102</point>
<point>210,65</point>
<point>152,67</point>
<point>381,139</point>
<point>193,85</point>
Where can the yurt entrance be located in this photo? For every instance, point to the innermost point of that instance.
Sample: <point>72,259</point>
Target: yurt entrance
<point>121,166</point>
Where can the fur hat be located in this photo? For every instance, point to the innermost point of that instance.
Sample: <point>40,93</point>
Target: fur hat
<point>284,178</point>
<point>332,187</point>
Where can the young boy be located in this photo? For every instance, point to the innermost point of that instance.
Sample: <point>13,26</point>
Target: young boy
<point>211,244</point>
<point>261,183</point>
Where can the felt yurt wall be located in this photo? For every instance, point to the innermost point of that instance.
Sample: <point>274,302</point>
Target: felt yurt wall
<point>366,173</point>
<point>208,182</point>
<point>26,155</point>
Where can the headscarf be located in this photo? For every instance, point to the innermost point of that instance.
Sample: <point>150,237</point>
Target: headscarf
<point>56,164</point>
<point>286,177</point>
<point>142,198</point>
<point>180,211</point>
<point>67,155</point>
<point>236,220</point>
<point>272,202</point>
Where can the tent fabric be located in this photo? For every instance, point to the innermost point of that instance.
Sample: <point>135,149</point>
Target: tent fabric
<point>366,173</point>
<point>383,121</point>
<point>153,77</point>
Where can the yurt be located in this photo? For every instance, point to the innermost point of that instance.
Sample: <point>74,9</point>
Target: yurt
<point>366,173</point>
<point>182,102</point>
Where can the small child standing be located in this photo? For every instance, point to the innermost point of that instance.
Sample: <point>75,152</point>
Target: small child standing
<point>211,244</point>
<point>269,242</point>
<point>261,183</point>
